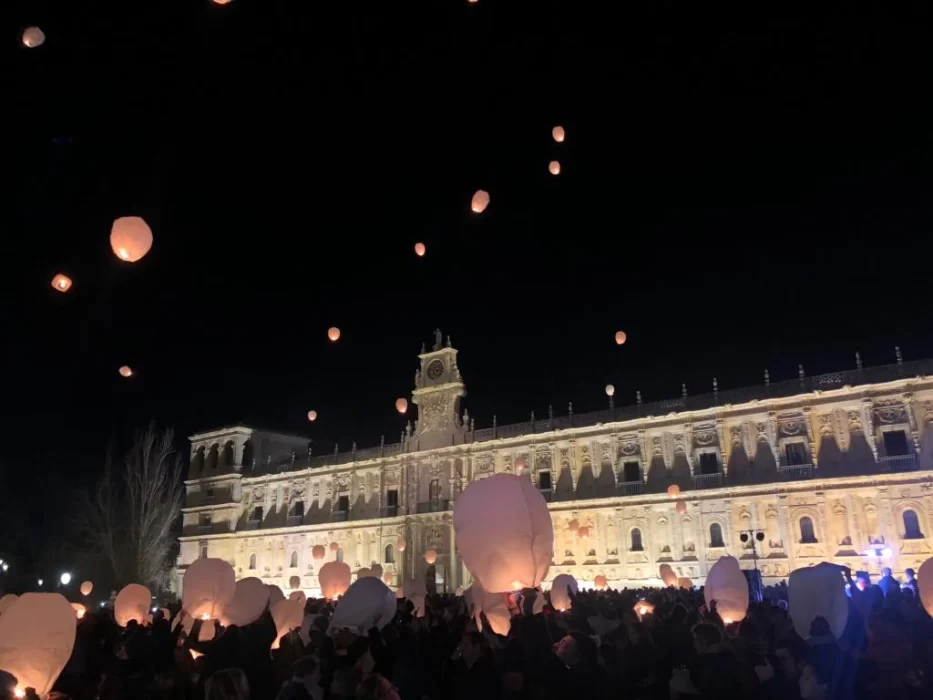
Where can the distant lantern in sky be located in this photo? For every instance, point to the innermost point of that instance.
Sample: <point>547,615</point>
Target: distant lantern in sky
<point>554,167</point>
<point>61,283</point>
<point>673,490</point>
<point>620,337</point>
<point>33,37</point>
<point>600,583</point>
<point>583,533</point>
<point>520,465</point>
<point>318,552</point>
<point>130,238</point>
<point>86,588</point>
<point>480,201</point>
<point>312,416</point>
<point>334,546</point>
<point>222,2</point>
<point>420,249</point>
<point>333,333</point>
<point>401,405</point>
<point>401,544</point>
<point>125,371</point>
<point>610,390</point>
<point>681,508</point>
<point>430,556</point>
<point>558,133</point>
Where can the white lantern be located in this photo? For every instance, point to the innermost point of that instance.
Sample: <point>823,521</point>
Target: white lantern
<point>86,588</point>
<point>275,594</point>
<point>132,603</point>
<point>573,525</point>
<point>249,602</point>
<point>401,405</point>
<point>727,585</point>
<point>520,465</point>
<point>312,416</point>
<point>817,591</point>
<point>130,238</point>
<point>387,578</point>
<point>367,603</point>
<point>287,615</point>
<point>33,37</point>
<point>600,583</point>
<point>493,607</point>
<point>610,390</point>
<point>667,575</point>
<point>620,337</point>
<point>558,133</point>
<point>209,585</point>
<point>560,598</point>
<point>554,167</point>
<point>401,544</point>
<point>334,578</point>
<point>504,532</point>
<point>480,201</point>
<point>925,590</point>
<point>430,556</point>
<point>37,636</point>
<point>334,547</point>
<point>459,591</point>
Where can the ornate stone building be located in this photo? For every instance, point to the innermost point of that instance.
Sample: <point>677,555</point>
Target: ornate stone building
<point>837,467</point>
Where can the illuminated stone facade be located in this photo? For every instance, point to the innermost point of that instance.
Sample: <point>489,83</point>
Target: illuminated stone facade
<point>837,467</point>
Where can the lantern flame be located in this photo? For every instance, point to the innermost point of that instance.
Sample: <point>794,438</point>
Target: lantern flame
<point>195,654</point>
<point>642,611</point>
<point>517,585</point>
<point>19,692</point>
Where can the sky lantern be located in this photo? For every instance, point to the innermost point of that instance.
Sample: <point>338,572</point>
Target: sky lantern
<point>401,405</point>
<point>685,583</point>
<point>681,508</point>
<point>558,133</point>
<point>37,636</point>
<point>312,416</point>
<point>300,596</point>
<point>250,599</point>
<point>520,465</point>
<point>80,610</point>
<point>620,337</point>
<point>61,283</point>
<point>33,37</point>
<point>318,552</point>
<point>334,546</point>
<point>673,490</point>
<point>130,238</point>
<point>420,249</point>
<point>643,607</point>
<point>86,588</point>
<point>600,583</point>
<point>727,585</point>
<point>126,372</point>
<point>132,603</point>
<point>208,586</point>
<point>560,599</point>
<point>401,544</point>
<point>287,615</point>
<point>610,390</point>
<point>554,167</point>
<point>820,590</point>
<point>430,556</point>
<point>387,578</point>
<point>480,201</point>
<point>294,582</point>
<point>504,532</point>
<point>222,2</point>
<point>583,533</point>
<point>367,603</point>
<point>925,585</point>
<point>333,334</point>
<point>667,575</point>
<point>334,577</point>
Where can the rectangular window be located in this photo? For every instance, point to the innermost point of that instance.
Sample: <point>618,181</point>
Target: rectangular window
<point>631,471</point>
<point>392,498</point>
<point>256,516</point>
<point>298,510</point>
<point>434,490</point>
<point>895,443</point>
<point>343,504</point>
<point>209,493</point>
<point>709,463</point>
<point>204,519</point>
<point>544,481</point>
<point>795,454</point>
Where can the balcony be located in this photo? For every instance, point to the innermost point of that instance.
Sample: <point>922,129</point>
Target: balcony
<point>252,525</point>
<point>294,520</point>
<point>795,472</point>
<point>707,481</point>
<point>339,516</point>
<point>203,529</point>
<point>433,506</point>
<point>388,512</point>
<point>898,463</point>
<point>630,488</point>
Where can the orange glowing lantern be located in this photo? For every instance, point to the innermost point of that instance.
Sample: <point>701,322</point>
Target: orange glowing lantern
<point>620,337</point>
<point>420,250</point>
<point>61,283</point>
<point>681,508</point>
<point>573,525</point>
<point>222,2</point>
<point>600,583</point>
<point>673,490</point>
<point>558,133</point>
<point>333,333</point>
<point>430,556</point>
<point>480,201</point>
<point>401,405</point>
<point>583,533</point>
<point>554,167</point>
<point>125,371</point>
<point>33,37</point>
<point>334,546</point>
<point>80,610</point>
<point>387,578</point>
<point>130,238</point>
<point>312,416</point>
<point>401,544</point>
<point>318,552</point>
<point>643,607</point>
<point>520,465</point>
<point>86,588</point>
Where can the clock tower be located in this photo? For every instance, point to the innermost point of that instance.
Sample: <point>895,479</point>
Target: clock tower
<point>438,390</point>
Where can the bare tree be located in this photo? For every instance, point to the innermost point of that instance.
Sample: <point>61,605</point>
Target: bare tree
<point>127,521</point>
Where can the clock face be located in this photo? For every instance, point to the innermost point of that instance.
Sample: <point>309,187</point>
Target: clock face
<point>435,369</point>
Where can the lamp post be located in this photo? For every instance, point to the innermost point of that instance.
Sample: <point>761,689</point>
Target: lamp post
<point>754,536</point>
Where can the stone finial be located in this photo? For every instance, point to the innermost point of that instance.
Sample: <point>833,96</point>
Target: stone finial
<point>294,457</point>
<point>683,390</point>
<point>493,420</point>
<point>570,408</point>
<point>438,339</point>
<point>353,447</point>
<point>382,441</point>
<point>336,448</point>
<point>715,386</point>
<point>858,360</point>
<point>767,378</point>
<point>800,373</point>
<point>424,348</point>
<point>638,397</point>
<point>897,355</point>
<point>448,342</point>
<point>550,413</point>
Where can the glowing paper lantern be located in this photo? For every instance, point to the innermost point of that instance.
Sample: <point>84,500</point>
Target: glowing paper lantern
<point>376,570</point>
<point>209,585</point>
<point>685,583</point>
<point>7,601</point>
<point>334,546</point>
<point>558,133</point>
<point>294,582</point>
<point>583,533</point>
<point>80,610</point>
<point>493,607</point>
<point>86,588</point>
<point>312,416</point>
<point>334,577</point>
<point>504,532</point>
<point>643,607</point>
<point>681,508</point>
<point>727,585</point>
<point>430,556</point>
<point>401,405</point>
<point>298,596</point>
<point>620,337</point>
<point>817,591</point>
<point>130,238</point>
<point>318,552</point>
<point>610,390</point>
<point>275,594</point>
<point>480,201</point>
<point>673,490</point>
<point>367,603</point>
<point>520,465</point>
<point>401,544</point>
<point>387,578</point>
<point>125,371</point>
<point>33,37</point>
<point>250,599</point>
<point>554,167</point>
<point>132,603</point>
<point>420,249</point>
<point>560,599</point>
<point>573,525</point>
<point>61,283</point>
<point>364,572</point>
<point>600,583</point>
<point>333,333</point>
<point>222,2</point>
<point>37,636</point>
<point>287,615</point>
<point>666,574</point>
<point>924,586</point>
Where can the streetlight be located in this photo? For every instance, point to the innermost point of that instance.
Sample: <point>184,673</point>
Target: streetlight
<point>65,579</point>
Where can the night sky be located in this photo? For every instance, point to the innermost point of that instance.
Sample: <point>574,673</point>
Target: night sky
<point>743,187</point>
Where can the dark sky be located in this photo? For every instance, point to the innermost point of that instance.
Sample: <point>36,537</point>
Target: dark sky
<point>744,186</point>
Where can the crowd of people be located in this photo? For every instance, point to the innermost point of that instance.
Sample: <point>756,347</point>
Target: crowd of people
<point>606,646</point>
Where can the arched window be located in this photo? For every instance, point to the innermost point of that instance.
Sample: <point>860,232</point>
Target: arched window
<point>911,526</point>
<point>340,554</point>
<point>293,562</point>
<point>212,457</point>
<point>227,458</point>
<point>715,535</point>
<point>247,460</point>
<point>807,534</point>
<point>197,462</point>
<point>390,554</point>
<point>252,561</point>
<point>636,540</point>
